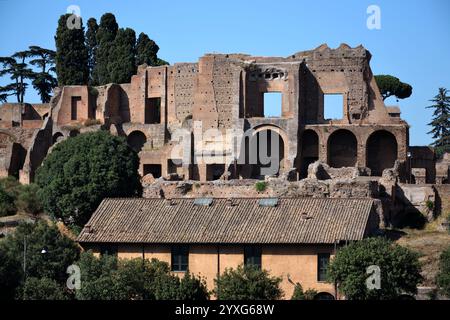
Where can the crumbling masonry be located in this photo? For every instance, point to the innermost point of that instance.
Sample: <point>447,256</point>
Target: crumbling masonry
<point>226,91</point>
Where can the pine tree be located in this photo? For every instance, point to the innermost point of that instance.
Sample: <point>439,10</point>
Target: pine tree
<point>106,34</point>
<point>146,50</point>
<point>18,72</point>
<point>43,81</point>
<point>71,54</point>
<point>91,45</point>
<point>441,122</point>
<point>121,64</point>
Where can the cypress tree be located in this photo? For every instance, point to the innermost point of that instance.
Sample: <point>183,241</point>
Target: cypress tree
<point>121,64</point>
<point>441,122</point>
<point>91,45</point>
<point>106,34</point>
<point>146,50</point>
<point>71,53</point>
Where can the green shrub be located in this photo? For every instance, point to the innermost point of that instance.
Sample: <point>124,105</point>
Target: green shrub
<point>80,172</point>
<point>299,294</point>
<point>28,200</point>
<point>247,283</point>
<point>429,204</point>
<point>7,206</point>
<point>43,289</point>
<point>443,276</point>
<point>260,186</point>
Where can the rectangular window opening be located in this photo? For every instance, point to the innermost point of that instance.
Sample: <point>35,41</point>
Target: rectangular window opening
<point>273,104</point>
<point>180,258</point>
<point>252,256</point>
<point>323,259</point>
<point>76,101</point>
<point>153,110</point>
<point>333,105</point>
<point>154,169</point>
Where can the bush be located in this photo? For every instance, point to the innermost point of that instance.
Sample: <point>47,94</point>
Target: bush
<point>60,250</point>
<point>107,278</point>
<point>399,270</point>
<point>81,171</point>
<point>247,283</point>
<point>299,294</point>
<point>443,276</point>
<point>260,186</point>
<point>7,206</point>
<point>10,274</point>
<point>28,200</point>
<point>43,289</point>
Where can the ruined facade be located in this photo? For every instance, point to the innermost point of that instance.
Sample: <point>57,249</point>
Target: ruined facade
<point>226,92</point>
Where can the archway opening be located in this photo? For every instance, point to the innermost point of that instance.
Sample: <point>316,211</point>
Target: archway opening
<point>266,154</point>
<point>136,140</point>
<point>324,296</point>
<point>342,149</point>
<point>381,151</point>
<point>310,151</point>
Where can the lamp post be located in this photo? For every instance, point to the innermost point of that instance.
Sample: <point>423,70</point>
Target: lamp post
<point>409,155</point>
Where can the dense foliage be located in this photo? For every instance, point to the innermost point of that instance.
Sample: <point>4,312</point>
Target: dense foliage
<point>80,172</point>
<point>441,121</point>
<point>106,278</point>
<point>71,53</point>
<point>16,197</point>
<point>443,277</point>
<point>392,86</point>
<point>47,255</point>
<point>247,283</point>
<point>299,294</point>
<point>400,270</point>
<point>121,65</point>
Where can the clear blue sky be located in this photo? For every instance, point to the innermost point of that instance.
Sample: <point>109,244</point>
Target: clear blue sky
<point>412,44</point>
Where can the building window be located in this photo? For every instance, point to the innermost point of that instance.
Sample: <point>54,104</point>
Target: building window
<point>154,169</point>
<point>180,258</point>
<point>153,110</point>
<point>252,256</point>
<point>272,104</point>
<point>333,105</point>
<point>323,259</point>
<point>110,250</point>
<point>76,101</point>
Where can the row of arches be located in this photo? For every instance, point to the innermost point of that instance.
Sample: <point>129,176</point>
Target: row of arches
<point>342,150</point>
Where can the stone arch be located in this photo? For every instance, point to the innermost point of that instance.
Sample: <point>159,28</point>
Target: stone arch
<point>264,136</point>
<point>56,137</point>
<point>324,296</point>
<point>309,150</point>
<point>136,140</point>
<point>342,149</point>
<point>74,133</point>
<point>381,151</point>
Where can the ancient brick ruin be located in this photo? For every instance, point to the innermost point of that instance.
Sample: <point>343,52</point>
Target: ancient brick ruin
<point>226,92</point>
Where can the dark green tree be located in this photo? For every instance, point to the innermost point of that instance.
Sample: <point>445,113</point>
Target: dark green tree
<point>10,274</point>
<point>59,251</point>
<point>7,205</point>
<point>392,86</point>
<point>299,294</point>
<point>43,80</point>
<point>81,171</point>
<point>91,45</point>
<point>43,289</point>
<point>106,34</point>
<point>146,51</point>
<point>399,270</point>
<point>121,64</point>
<point>18,71</point>
<point>71,53</point>
<point>443,276</point>
<point>441,122</point>
<point>247,283</point>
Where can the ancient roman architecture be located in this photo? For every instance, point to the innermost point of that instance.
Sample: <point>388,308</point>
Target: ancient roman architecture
<point>168,106</point>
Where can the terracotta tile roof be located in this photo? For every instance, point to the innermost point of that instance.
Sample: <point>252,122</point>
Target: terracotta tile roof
<point>292,220</point>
